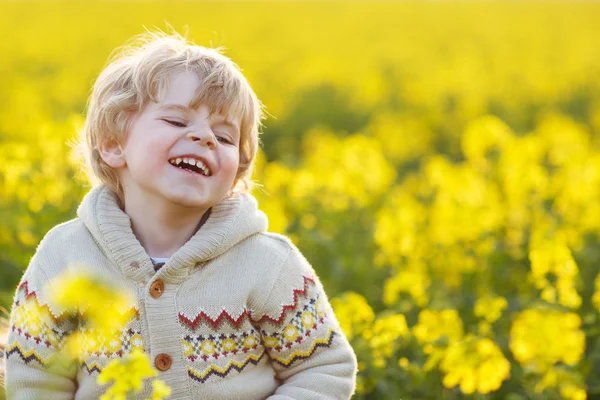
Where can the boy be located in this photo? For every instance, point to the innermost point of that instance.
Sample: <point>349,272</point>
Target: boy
<point>224,309</point>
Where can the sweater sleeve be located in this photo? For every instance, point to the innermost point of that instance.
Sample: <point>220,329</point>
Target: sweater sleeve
<point>309,352</point>
<point>33,370</point>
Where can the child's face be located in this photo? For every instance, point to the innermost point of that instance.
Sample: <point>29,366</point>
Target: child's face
<point>167,131</point>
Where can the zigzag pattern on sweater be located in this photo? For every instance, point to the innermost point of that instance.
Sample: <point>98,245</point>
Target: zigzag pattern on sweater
<point>307,319</point>
<point>236,321</point>
<point>23,289</point>
<point>26,356</point>
<point>290,307</point>
<point>215,323</point>
<point>34,321</point>
<point>91,367</point>
<point>300,355</point>
<point>233,365</point>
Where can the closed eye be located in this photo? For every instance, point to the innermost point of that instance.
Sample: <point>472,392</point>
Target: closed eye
<point>175,123</point>
<point>223,139</point>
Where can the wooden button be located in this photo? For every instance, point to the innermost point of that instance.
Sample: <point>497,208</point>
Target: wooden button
<point>157,288</point>
<point>163,362</point>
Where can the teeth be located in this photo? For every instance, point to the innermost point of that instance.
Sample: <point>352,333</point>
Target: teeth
<point>191,161</point>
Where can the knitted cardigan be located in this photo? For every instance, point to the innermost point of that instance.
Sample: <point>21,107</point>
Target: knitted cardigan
<point>240,313</point>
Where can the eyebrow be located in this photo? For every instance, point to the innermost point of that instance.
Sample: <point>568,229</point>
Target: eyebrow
<point>186,109</point>
<point>177,107</point>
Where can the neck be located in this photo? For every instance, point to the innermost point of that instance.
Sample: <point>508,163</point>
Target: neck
<point>162,230</point>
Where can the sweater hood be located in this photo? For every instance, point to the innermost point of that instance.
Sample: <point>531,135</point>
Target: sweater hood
<point>231,221</point>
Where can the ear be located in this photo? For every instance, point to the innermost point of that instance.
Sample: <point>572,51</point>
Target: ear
<point>112,153</point>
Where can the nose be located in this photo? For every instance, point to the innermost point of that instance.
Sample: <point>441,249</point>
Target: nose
<point>204,135</point>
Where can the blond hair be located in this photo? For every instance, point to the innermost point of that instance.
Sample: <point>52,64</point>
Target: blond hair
<point>133,77</point>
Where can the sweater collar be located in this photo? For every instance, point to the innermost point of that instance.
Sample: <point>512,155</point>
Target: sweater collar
<point>230,221</point>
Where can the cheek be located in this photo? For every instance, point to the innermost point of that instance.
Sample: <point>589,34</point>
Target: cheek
<point>147,149</point>
<point>232,162</point>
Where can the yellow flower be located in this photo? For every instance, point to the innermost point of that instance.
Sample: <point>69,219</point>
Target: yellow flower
<point>102,309</point>
<point>553,258</point>
<point>399,225</point>
<point>540,338</point>
<point>477,365</point>
<point>353,312</point>
<point>490,308</point>
<point>102,305</point>
<point>403,362</point>
<point>127,373</point>
<point>383,338</point>
<point>596,295</point>
<point>482,135</point>
<point>435,325</point>
<point>160,390</point>
<point>333,172</point>
<point>572,392</point>
<point>413,280</point>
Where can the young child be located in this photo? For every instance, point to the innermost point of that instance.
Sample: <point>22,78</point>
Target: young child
<point>224,309</point>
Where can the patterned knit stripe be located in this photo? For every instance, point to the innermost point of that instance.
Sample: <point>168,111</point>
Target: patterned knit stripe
<point>34,321</point>
<point>300,355</point>
<point>307,320</point>
<point>290,307</point>
<point>193,323</point>
<point>27,356</point>
<point>91,367</point>
<point>112,347</point>
<point>25,287</point>
<point>215,346</point>
<point>23,293</point>
<point>236,322</point>
<point>40,339</point>
<point>202,377</point>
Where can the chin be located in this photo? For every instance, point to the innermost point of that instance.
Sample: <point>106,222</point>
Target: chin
<point>189,202</point>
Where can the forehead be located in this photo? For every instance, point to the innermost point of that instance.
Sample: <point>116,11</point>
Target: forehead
<point>184,92</point>
<point>179,88</point>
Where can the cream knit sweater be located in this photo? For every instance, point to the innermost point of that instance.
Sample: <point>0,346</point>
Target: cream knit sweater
<point>236,313</point>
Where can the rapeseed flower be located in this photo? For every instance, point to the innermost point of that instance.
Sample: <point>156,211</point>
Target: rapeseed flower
<point>128,375</point>
<point>552,260</point>
<point>541,338</point>
<point>476,365</point>
<point>434,326</point>
<point>353,312</point>
<point>102,309</point>
<point>490,308</point>
<point>383,337</point>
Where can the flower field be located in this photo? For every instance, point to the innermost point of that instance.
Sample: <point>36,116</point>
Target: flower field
<point>438,163</point>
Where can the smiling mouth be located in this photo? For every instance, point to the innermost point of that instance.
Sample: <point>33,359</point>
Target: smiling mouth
<point>192,165</point>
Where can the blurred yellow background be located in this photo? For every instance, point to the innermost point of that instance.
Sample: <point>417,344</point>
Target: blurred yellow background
<point>437,162</point>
